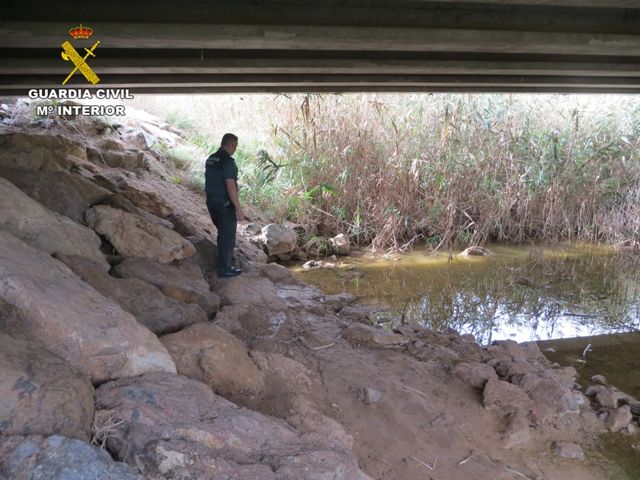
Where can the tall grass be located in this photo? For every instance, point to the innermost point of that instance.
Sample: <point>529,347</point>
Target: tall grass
<point>393,169</point>
<point>466,169</point>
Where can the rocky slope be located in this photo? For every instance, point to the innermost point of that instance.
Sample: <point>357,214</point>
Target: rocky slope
<point>122,356</point>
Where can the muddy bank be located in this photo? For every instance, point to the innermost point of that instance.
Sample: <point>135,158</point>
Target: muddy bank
<point>106,290</point>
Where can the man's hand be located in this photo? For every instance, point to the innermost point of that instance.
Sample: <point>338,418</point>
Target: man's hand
<point>233,196</point>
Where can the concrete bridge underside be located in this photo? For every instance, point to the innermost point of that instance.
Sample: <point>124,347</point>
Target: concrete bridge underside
<point>170,46</point>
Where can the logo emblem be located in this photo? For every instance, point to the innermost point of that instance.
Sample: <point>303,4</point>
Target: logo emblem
<point>69,53</point>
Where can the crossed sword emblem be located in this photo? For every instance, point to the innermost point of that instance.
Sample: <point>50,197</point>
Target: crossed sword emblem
<point>80,63</point>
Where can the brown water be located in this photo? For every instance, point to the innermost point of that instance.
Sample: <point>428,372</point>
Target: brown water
<point>565,297</point>
<point>522,293</point>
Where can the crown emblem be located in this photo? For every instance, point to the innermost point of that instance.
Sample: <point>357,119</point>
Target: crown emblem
<point>80,32</point>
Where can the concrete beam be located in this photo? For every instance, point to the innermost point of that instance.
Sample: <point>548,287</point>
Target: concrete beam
<point>286,37</point>
<point>557,3</point>
<point>334,45</point>
<point>214,89</point>
<point>577,16</point>
<point>297,66</point>
<point>364,82</point>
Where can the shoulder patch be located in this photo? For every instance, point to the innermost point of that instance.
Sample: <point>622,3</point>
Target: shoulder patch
<point>211,161</point>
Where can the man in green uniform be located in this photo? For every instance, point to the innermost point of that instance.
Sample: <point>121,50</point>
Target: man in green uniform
<point>221,187</point>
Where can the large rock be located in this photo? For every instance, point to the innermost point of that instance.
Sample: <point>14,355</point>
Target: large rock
<point>58,458</point>
<point>475,374</point>
<point>134,236</point>
<point>550,392</point>
<point>609,397</point>
<point>119,201</point>
<point>249,322</point>
<point>619,418</point>
<point>175,427</point>
<point>362,335</point>
<point>275,272</point>
<point>64,193</point>
<point>277,239</point>
<point>25,218</point>
<point>183,282</point>
<point>502,395</point>
<point>517,432</point>
<point>138,192</point>
<point>47,302</point>
<point>206,254</point>
<point>34,151</point>
<point>128,159</point>
<point>568,450</point>
<point>340,244</point>
<point>41,394</point>
<point>159,313</point>
<point>206,353</point>
<point>251,290</point>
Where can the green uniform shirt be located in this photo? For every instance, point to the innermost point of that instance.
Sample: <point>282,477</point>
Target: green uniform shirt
<point>219,167</point>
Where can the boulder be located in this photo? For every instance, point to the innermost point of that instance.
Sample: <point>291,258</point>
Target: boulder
<point>475,374</point>
<point>550,392</point>
<point>275,272</point>
<point>48,303</point>
<point>356,313</point>
<point>183,282</point>
<point>119,201</point>
<point>600,380</point>
<point>502,395</point>
<point>277,239</point>
<point>249,321</point>
<point>64,193</point>
<point>42,394</point>
<point>428,352</point>
<point>56,457</point>
<point>518,351</point>
<point>594,390</point>
<point>251,290</point>
<point>619,418</point>
<point>206,254</point>
<point>565,376</point>
<point>127,159</point>
<point>26,219</point>
<point>159,313</point>
<point>134,236</point>
<point>513,370</point>
<point>339,301</point>
<point>568,450</point>
<point>35,151</point>
<point>174,427</point>
<point>609,397</point>
<point>362,335</point>
<point>209,354</point>
<point>340,244</point>
<point>517,433</point>
<point>138,192</point>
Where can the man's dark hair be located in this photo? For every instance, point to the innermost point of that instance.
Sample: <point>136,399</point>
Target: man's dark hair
<point>228,138</point>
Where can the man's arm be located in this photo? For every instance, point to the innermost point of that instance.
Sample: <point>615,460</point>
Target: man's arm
<point>233,195</point>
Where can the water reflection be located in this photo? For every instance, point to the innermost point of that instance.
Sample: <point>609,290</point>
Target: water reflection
<point>522,293</point>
